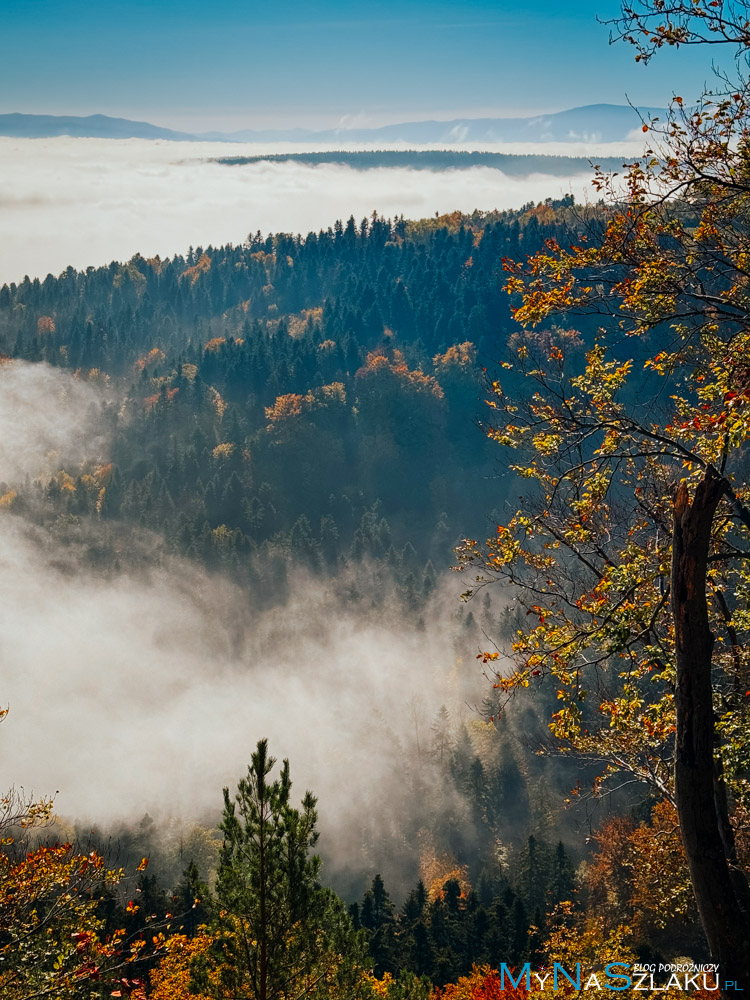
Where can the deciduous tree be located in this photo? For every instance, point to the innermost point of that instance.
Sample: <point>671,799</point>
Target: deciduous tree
<point>631,549</point>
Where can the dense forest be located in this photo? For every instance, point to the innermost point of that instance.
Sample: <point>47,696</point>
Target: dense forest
<point>315,396</point>
<point>311,405</point>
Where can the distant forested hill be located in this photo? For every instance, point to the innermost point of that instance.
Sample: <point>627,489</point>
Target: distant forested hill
<point>437,159</point>
<point>312,399</point>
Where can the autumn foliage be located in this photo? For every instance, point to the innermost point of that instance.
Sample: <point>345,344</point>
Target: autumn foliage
<point>483,984</point>
<point>171,979</point>
<point>390,370</point>
<point>51,938</point>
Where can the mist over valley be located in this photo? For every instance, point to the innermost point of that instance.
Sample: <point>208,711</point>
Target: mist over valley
<point>231,495</point>
<point>373,500</point>
<point>83,202</point>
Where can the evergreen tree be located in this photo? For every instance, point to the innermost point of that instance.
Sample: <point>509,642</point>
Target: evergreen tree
<point>191,900</point>
<point>283,936</point>
<point>534,870</point>
<point>442,736</point>
<point>377,916</point>
<point>562,878</point>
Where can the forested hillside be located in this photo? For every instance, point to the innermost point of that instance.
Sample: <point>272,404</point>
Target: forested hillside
<point>298,411</point>
<point>511,164</point>
<point>308,407</point>
<point>315,397</point>
<point>236,483</point>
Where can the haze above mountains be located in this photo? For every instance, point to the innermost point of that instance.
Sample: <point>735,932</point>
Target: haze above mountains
<point>592,123</point>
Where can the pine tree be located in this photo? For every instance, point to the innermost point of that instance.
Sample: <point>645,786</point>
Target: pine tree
<point>562,879</point>
<point>534,870</point>
<point>282,934</point>
<point>191,899</point>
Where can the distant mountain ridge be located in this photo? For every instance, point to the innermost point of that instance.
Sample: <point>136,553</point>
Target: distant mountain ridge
<point>91,127</point>
<point>592,123</point>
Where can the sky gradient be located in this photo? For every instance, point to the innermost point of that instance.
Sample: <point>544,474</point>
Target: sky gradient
<point>232,64</point>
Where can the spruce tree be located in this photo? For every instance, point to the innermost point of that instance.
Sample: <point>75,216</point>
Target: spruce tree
<point>377,916</point>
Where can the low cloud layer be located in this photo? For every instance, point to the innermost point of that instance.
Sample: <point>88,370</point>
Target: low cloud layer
<point>149,691</point>
<point>85,202</point>
<point>47,419</point>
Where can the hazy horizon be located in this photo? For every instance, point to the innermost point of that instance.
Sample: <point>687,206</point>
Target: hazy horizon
<point>245,65</point>
<point>217,122</point>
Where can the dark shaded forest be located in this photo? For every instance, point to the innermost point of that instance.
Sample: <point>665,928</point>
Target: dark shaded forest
<point>311,396</point>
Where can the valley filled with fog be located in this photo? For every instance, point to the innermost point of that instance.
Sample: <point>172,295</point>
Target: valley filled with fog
<point>374,509</point>
<point>83,202</point>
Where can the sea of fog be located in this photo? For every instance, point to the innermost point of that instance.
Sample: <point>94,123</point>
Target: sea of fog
<point>147,689</point>
<point>82,202</point>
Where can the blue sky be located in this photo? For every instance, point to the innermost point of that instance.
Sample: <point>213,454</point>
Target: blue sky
<point>233,64</point>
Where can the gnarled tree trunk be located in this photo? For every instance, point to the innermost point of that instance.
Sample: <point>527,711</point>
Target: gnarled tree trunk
<point>724,919</point>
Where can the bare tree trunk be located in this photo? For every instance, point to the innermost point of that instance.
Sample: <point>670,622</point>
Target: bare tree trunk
<point>725,923</point>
